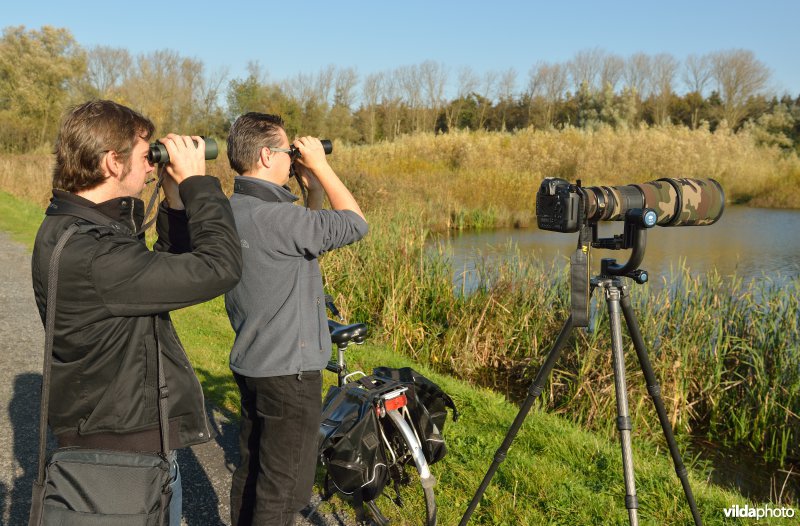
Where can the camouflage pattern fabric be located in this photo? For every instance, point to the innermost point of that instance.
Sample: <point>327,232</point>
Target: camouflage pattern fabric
<point>678,202</point>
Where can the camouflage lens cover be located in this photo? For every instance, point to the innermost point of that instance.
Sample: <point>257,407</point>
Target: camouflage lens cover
<point>684,202</point>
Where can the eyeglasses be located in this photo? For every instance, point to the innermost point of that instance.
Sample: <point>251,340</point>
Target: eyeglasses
<point>292,151</point>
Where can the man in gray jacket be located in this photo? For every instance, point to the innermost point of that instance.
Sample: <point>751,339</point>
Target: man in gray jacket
<point>278,312</point>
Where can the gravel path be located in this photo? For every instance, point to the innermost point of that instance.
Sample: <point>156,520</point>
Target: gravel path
<point>205,469</point>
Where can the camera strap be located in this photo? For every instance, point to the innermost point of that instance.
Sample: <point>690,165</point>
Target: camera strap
<point>153,198</point>
<point>579,279</point>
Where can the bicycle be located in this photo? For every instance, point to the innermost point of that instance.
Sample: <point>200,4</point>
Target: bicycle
<point>399,438</point>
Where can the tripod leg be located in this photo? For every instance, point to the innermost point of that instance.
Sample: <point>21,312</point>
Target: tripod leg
<point>654,389</point>
<point>623,418</point>
<point>533,393</point>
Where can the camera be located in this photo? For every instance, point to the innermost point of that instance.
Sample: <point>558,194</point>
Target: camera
<point>565,207</point>
<point>158,152</point>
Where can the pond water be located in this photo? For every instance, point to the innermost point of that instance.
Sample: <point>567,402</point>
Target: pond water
<point>753,243</point>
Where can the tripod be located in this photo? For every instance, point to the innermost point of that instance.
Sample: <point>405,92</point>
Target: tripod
<point>617,299</point>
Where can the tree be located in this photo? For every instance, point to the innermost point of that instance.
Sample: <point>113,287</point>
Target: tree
<point>739,76</point>
<point>696,76</point>
<point>254,93</point>
<point>585,68</point>
<point>664,69</point>
<point>166,87</point>
<point>340,118</point>
<point>485,96</point>
<point>38,70</point>
<point>433,78</point>
<point>467,83</point>
<point>638,73</point>
<point>611,71</point>
<point>547,84</point>
<point>505,95</point>
<point>107,70</point>
<point>370,93</point>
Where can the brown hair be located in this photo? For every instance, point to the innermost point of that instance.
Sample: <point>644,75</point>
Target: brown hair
<point>87,132</point>
<point>251,132</point>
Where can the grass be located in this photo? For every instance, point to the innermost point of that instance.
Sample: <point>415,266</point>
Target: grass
<point>20,218</point>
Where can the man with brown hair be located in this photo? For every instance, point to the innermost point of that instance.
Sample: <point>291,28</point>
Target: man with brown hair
<point>278,312</point>
<point>113,292</point>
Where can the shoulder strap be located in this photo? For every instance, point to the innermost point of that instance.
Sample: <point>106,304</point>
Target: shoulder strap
<point>52,281</point>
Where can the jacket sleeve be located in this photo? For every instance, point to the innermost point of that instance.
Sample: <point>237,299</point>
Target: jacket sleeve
<point>299,231</point>
<point>134,281</point>
<point>172,227</point>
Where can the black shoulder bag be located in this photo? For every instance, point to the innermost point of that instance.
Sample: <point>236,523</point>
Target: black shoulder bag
<point>93,486</point>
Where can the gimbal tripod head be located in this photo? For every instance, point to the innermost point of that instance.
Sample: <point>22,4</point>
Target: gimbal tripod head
<point>634,236</point>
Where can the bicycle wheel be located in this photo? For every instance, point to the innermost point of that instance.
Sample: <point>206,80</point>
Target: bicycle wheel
<point>403,445</point>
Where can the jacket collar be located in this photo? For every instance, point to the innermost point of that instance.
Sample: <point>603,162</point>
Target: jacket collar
<point>264,190</point>
<point>128,211</point>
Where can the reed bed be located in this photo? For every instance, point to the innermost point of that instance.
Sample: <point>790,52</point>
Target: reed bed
<point>482,179</point>
<point>486,179</point>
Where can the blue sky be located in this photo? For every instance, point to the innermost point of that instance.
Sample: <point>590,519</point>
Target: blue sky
<point>287,38</point>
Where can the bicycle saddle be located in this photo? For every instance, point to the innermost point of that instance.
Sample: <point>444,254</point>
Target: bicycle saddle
<point>341,334</point>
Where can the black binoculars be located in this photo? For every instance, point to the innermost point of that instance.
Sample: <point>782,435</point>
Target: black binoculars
<point>158,152</point>
<point>327,145</point>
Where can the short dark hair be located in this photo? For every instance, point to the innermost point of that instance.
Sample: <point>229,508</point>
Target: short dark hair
<point>251,132</point>
<point>87,132</point>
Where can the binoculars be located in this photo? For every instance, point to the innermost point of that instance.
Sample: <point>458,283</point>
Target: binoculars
<point>158,152</point>
<point>327,145</point>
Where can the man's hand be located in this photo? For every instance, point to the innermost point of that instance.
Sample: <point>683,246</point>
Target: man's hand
<point>185,158</point>
<point>312,154</point>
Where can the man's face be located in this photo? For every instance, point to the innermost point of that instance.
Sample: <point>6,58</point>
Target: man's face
<point>136,170</point>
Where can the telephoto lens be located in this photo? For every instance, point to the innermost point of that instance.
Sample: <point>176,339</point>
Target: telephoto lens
<point>678,202</point>
<point>158,152</point>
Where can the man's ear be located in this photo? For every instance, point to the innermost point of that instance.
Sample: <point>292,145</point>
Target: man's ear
<point>112,165</point>
<point>264,157</point>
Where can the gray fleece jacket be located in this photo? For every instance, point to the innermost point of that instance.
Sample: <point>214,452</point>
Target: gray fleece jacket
<point>278,308</point>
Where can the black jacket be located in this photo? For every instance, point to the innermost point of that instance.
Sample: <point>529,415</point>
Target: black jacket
<point>110,287</point>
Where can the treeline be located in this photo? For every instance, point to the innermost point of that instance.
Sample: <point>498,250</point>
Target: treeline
<point>43,71</point>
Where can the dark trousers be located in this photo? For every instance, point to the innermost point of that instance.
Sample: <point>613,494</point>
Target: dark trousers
<point>278,445</point>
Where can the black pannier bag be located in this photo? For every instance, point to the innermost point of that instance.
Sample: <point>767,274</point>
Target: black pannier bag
<point>350,442</point>
<point>427,404</point>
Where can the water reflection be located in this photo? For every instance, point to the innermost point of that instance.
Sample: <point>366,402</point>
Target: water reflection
<point>752,243</point>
